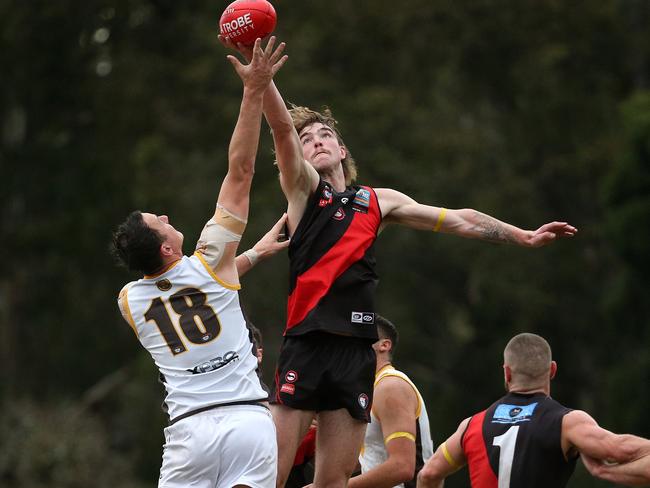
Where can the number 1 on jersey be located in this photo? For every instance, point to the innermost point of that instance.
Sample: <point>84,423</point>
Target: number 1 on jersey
<point>506,443</point>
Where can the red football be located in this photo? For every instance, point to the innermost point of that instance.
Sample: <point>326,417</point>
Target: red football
<point>246,20</point>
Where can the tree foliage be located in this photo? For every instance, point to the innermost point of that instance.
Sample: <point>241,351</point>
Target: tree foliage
<point>528,111</point>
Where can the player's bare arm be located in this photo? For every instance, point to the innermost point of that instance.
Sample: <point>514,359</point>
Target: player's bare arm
<point>634,473</point>
<point>242,151</point>
<point>581,433</point>
<point>448,458</point>
<point>395,404</point>
<point>297,177</point>
<point>231,212</point>
<point>270,244</point>
<point>398,208</point>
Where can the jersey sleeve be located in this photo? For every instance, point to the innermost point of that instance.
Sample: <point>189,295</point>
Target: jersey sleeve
<point>123,304</point>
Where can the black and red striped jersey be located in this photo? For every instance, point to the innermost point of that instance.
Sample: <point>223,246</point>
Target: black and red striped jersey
<point>332,264</point>
<point>516,443</point>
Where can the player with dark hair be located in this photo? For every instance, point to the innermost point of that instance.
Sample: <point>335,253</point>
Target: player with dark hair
<point>333,225</point>
<point>398,438</point>
<point>185,311</point>
<point>526,439</point>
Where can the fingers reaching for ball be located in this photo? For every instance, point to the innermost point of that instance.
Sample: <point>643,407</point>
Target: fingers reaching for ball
<point>263,65</point>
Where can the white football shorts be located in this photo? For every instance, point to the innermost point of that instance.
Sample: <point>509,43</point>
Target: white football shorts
<point>221,448</point>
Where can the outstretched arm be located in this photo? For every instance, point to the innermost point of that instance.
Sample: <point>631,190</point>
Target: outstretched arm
<point>220,237</point>
<point>270,244</point>
<point>447,459</point>
<point>601,448</point>
<point>297,177</point>
<point>634,473</point>
<point>401,209</point>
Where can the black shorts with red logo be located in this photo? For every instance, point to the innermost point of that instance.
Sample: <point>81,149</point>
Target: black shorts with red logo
<point>321,371</point>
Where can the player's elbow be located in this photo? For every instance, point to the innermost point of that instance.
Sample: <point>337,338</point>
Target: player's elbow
<point>428,477</point>
<point>404,470</point>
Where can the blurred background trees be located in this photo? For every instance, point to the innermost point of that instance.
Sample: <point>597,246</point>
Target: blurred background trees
<point>529,111</point>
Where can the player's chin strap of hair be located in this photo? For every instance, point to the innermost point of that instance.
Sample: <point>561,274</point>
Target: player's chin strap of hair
<point>445,452</point>
<point>396,435</point>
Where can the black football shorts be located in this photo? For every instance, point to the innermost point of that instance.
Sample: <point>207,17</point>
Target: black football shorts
<point>322,371</point>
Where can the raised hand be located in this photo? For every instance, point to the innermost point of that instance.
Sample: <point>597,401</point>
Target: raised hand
<point>550,232</point>
<point>263,65</point>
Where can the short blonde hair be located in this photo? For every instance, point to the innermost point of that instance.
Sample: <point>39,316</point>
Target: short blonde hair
<point>303,117</point>
<point>528,356</point>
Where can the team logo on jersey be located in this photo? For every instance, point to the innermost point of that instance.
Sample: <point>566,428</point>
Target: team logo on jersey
<point>326,198</point>
<point>513,414</point>
<point>164,284</point>
<point>291,377</point>
<point>362,318</point>
<point>288,388</point>
<point>339,215</point>
<point>363,401</point>
<point>361,201</point>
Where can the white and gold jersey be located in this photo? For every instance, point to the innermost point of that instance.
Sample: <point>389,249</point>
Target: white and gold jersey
<point>374,448</point>
<point>191,323</point>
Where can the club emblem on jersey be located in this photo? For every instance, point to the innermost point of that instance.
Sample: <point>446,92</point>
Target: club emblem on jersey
<point>361,201</point>
<point>164,284</point>
<point>363,401</point>
<point>291,376</point>
<point>339,215</point>
<point>326,198</point>
<point>513,414</point>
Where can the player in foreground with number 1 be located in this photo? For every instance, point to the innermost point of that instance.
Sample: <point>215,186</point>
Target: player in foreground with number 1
<point>186,313</point>
<point>526,439</point>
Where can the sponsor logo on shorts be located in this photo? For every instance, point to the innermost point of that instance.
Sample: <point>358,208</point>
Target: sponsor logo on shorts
<point>164,284</point>
<point>363,401</point>
<point>344,200</point>
<point>291,376</point>
<point>288,388</point>
<point>362,318</point>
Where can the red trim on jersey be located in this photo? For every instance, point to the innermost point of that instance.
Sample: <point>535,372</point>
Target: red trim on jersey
<point>312,285</point>
<point>481,474</point>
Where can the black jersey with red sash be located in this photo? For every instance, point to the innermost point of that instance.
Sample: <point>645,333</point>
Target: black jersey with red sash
<point>332,264</point>
<point>516,443</point>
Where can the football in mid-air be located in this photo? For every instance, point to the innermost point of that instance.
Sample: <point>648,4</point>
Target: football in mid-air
<point>246,20</point>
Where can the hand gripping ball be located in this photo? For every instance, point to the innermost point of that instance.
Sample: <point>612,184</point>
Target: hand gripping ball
<point>246,20</point>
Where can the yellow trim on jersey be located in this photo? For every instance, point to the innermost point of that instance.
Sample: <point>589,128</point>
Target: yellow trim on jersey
<point>124,301</point>
<point>229,221</point>
<point>441,218</point>
<point>379,376</point>
<point>150,277</point>
<point>396,435</point>
<point>230,286</point>
<point>450,460</point>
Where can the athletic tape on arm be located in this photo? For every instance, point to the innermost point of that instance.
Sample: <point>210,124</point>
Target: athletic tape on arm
<point>441,219</point>
<point>396,435</point>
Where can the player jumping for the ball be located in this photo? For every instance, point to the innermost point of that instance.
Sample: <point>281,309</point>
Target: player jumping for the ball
<point>326,365</point>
